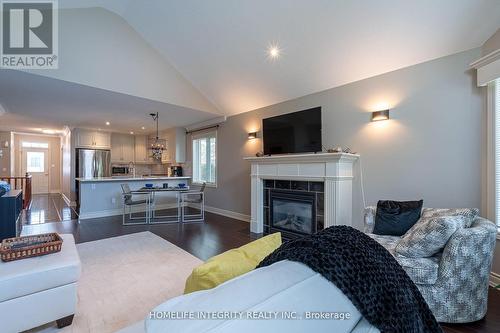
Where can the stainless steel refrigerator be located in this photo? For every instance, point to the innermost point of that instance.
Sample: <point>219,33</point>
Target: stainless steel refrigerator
<point>93,163</point>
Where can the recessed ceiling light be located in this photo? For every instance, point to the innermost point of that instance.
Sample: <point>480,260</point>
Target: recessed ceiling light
<point>143,127</point>
<point>107,123</point>
<point>273,51</point>
<point>131,132</point>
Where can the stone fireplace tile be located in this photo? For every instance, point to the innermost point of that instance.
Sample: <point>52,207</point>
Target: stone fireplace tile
<point>320,203</point>
<point>266,197</point>
<point>269,183</point>
<point>283,184</point>
<point>316,187</point>
<point>266,216</point>
<point>320,222</point>
<point>299,185</point>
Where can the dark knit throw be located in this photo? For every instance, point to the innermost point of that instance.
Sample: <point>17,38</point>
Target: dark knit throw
<point>367,274</point>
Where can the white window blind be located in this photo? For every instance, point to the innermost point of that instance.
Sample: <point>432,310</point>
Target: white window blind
<point>205,158</point>
<point>496,103</point>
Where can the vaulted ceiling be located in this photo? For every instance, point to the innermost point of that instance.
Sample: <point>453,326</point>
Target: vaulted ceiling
<point>220,46</point>
<point>195,60</point>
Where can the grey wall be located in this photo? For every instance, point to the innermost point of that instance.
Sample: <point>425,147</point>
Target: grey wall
<point>430,149</point>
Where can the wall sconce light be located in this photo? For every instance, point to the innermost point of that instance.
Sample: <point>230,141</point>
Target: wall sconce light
<point>252,135</point>
<point>380,115</point>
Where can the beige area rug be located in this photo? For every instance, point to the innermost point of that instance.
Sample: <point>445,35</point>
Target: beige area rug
<point>123,278</point>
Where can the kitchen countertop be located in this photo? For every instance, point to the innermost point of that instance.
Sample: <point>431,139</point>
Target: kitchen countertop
<point>129,179</point>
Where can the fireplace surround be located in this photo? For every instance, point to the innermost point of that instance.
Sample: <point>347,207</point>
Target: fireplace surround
<point>333,170</point>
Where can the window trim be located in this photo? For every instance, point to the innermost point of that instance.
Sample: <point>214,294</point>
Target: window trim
<point>204,134</point>
<point>491,151</point>
<point>34,145</point>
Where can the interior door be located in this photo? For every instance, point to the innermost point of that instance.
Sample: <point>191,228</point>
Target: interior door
<point>35,162</point>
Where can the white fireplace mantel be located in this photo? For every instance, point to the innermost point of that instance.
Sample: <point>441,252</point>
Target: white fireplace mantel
<point>334,169</point>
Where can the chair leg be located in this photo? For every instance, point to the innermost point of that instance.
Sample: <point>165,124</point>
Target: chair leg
<point>66,321</point>
<point>168,219</point>
<point>195,218</point>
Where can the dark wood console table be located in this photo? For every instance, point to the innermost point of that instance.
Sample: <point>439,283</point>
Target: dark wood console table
<point>11,206</point>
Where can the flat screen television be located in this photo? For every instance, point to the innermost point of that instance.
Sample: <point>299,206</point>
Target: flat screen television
<point>297,132</point>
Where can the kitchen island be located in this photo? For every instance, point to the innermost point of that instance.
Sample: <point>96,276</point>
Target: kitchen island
<point>100,197</point>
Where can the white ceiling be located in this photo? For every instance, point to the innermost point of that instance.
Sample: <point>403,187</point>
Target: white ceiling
<point>34,102</point>
<point>220,46</point>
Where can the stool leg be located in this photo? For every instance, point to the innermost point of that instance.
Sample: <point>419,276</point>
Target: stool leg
<point>66,321</point>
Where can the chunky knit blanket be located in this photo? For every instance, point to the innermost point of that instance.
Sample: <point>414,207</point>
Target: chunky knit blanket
<point>366,273</point>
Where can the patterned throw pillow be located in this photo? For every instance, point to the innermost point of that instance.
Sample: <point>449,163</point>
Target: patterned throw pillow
<point>429,236</point>
<point>469,213</point>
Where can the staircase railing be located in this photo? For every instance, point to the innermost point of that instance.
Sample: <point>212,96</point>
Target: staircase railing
<point>21,183</point>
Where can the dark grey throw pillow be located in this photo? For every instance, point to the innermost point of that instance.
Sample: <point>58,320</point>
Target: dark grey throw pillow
<point>395,218</point>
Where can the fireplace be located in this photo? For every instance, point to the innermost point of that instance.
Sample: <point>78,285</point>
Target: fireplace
<point>294,208</point>
<point>293,211</point>
<point>329,175</point>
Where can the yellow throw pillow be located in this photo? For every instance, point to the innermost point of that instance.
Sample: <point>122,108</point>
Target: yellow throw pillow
<point>231,264</point>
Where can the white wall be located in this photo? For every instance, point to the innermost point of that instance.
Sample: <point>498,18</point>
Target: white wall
<point>430,149</point>
<point>66,167</point>
<point>99,49</point>
<point>5,156</point>
<point>492,44</point>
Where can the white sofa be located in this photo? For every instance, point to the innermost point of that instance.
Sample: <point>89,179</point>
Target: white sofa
<point>39,290</point>
<point>285,286</point>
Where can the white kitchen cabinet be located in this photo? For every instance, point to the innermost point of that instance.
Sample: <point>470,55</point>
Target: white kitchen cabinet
<point>122,148</point>
<point>142,153</point>
<point>102,140</point>
<point>92,139</point>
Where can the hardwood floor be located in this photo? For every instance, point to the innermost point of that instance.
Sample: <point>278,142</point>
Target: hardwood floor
<point>202,240</point>
<point>48,208</point>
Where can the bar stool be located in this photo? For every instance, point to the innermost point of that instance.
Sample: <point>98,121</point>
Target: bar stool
<point>197,198</point>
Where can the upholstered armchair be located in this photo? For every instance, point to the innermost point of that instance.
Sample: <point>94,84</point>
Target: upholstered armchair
<point>455,281</point>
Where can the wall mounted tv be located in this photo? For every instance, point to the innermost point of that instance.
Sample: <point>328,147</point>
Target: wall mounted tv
<point>297,132</point>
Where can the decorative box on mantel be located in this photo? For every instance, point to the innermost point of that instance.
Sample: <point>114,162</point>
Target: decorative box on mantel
<point>335,170</point>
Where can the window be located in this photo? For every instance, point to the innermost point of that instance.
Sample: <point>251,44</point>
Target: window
<point>205,158</point>
<point>35,161</point>
<point>496,114</point>
<point>35,145</point>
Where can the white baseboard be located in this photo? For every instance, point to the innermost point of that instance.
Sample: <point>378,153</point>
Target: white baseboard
<point>227,213</point>
<point>494,279</point>
<point>118,211</point>
<point>55,191</point>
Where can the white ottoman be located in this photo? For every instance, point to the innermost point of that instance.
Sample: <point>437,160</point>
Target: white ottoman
<point>39,290</point>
